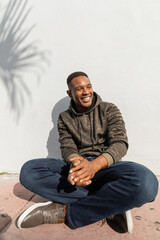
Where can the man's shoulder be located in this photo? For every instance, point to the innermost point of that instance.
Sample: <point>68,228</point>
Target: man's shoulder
<point>65,114</point>
<point>106,105</point>
<point>108,109</point>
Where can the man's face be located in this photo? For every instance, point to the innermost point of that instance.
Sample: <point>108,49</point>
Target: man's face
<point>80,90</point>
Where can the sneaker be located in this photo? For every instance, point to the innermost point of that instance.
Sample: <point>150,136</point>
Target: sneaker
<point>124,220</point>
<point>41,213</point>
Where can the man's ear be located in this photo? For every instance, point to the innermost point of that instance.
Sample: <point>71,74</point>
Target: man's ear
<point>69,93</point>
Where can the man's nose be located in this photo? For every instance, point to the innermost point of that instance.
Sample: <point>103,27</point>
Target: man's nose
<point>85,91</point>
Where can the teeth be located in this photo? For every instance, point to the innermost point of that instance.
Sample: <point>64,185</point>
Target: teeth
<point>86,99</point>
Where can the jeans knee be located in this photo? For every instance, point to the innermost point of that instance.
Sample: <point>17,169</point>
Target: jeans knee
<point>151,186</point>
<point>147,185</point>
<point>25,173</point>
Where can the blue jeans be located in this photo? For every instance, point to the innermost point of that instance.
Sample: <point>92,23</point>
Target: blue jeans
<point>114,189</point>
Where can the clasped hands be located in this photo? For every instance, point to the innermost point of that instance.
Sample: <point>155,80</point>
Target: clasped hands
<point>81,171</point>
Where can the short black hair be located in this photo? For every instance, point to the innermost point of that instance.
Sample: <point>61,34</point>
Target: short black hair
<point>75,74</point>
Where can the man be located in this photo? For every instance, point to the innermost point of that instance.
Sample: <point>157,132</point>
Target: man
<point>91,182</point>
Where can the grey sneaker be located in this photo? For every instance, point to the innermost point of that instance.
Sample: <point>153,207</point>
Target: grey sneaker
<point>124,220</point>
<point>41,213</point>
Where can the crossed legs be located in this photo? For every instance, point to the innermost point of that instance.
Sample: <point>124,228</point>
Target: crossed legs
<point>114,189</point>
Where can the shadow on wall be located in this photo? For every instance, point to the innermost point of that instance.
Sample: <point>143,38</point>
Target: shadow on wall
<point>16,55</point>
<point>53,145</point>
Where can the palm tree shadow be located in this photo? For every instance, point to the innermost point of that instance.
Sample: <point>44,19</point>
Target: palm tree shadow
<point>16,55</point>
<point>53,145</point>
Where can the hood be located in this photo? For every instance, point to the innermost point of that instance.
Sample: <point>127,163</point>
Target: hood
<point>95,102</point>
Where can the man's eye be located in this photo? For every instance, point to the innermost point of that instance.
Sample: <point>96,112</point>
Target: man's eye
<point>78,89</point>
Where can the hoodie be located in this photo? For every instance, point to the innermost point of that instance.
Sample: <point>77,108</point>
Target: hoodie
<point>98,131</point>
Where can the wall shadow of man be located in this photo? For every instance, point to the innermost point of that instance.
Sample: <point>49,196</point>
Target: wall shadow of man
<point>53,145</point>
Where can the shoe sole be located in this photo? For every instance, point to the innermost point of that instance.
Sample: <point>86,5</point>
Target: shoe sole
<point>30,209</point>
<point>129,221</point>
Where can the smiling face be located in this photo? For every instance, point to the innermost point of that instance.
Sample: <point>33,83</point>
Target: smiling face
<point>80,90</point>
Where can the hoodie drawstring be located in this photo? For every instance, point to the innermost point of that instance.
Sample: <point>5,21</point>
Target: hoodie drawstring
<point>91,135</point>
<point>79,131</point>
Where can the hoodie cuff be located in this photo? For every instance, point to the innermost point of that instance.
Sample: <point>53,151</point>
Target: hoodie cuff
<point>109,158</point>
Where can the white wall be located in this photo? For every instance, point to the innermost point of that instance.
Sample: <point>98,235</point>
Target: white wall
<point>117,42</point>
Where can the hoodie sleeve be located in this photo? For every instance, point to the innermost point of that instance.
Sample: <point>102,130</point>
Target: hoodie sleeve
<point>67,144</point>
<point>116,136</point>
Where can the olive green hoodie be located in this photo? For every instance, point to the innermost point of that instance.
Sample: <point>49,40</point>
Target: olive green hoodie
<point>98,131</point>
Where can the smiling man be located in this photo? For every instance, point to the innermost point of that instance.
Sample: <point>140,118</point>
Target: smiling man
<point>80,90</point>
<point>91,183</point>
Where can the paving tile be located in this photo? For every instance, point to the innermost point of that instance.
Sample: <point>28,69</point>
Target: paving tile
<point>4,220</point>
<point>13,196</point>
<point>146,220</point>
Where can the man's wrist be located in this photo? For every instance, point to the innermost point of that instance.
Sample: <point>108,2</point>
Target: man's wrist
<point>99,163</point>
<point>72,156</point>
<point>108,158</point>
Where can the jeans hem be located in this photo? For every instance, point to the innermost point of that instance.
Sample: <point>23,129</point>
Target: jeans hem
<point>68,217</point>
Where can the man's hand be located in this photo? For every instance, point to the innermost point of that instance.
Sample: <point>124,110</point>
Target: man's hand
<point>81,172</point>
<point>84,171</point>
<point>75,161</point>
